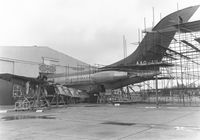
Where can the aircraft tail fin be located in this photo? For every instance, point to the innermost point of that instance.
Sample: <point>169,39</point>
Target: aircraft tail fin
<point>178,17</point>
<point>149,49</point>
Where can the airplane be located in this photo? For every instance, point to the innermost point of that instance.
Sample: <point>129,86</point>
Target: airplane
<point>142,65</point>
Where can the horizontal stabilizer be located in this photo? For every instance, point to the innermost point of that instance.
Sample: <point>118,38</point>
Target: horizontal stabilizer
<point>178,17</point>
<point>188,27</point>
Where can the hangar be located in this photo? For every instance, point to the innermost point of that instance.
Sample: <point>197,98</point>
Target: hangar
<point>29,61</point>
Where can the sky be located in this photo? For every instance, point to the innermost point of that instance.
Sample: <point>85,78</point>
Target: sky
<point>88,30</point>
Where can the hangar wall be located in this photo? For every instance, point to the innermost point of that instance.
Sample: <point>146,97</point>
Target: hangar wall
<point>27,61</point>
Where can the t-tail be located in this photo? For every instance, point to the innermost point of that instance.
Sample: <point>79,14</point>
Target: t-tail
<point>153,45</point>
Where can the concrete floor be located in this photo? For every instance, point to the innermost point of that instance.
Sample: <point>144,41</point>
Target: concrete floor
<point>103,122</point>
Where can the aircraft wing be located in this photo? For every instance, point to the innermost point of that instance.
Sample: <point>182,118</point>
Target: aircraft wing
<point>57,75</point>
<point>11,77</point>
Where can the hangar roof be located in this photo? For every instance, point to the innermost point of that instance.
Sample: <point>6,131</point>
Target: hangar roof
<point>36,54</point>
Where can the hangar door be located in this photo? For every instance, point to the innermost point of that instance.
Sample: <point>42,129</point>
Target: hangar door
<point>6,66</point>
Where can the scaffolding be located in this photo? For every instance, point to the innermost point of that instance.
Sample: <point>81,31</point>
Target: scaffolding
<point>31,99</point>
<point>178,84</point>
<point>183,83</point>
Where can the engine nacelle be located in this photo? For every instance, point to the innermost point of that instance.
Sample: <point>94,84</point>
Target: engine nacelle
<point>105,76</point>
